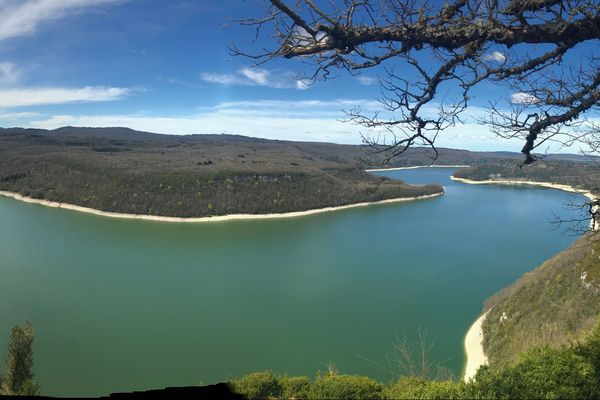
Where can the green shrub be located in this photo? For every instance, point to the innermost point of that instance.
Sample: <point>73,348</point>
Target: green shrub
<point>590,349</point>
<point>346,387</point>
<point>259,385</point>
<point>294,387</point>
<point>419,388</point>
<point>540,373</point>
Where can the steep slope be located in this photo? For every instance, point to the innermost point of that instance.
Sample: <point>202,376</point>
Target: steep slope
<point>555,304</point>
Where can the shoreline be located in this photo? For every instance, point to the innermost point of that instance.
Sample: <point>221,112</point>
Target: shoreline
<point>594,225</point>
<point>474,348</point>
<point>415,167</point>
<point>216,218</point>
<point>474,338</point>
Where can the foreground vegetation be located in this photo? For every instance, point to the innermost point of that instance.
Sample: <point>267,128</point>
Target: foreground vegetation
<point>20,379</point>
<point>567,372</point>
<point>125,171</point>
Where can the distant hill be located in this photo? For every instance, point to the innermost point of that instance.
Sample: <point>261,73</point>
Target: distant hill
<point>358,154</point>
<point>126,171</point>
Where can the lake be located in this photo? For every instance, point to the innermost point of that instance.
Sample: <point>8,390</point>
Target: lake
<point>121,305</point>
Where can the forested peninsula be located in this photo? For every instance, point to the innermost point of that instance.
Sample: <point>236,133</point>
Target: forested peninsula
<point>119,170</point>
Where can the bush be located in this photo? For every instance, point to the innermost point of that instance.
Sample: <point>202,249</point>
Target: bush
<point>540,373</point>
<point>259,385</point>
<point>295,387</point>
<point>346,387</point>
<point>419,388</point>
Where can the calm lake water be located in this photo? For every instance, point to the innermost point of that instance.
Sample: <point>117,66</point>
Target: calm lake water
<point>123,305</point>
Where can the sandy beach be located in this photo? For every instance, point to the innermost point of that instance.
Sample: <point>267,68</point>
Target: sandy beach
<point>474,348</point>
<point>415,167</point>
<point>216,218</point>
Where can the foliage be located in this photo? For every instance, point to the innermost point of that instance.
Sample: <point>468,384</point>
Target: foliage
<point>258,385</point>
<point>20,379</point>
<point>295,387</point>
<point>420,388</point>
<point>188,176</point>
<point>412,358</point>
<point>345,387</point>
<point>541,373</point>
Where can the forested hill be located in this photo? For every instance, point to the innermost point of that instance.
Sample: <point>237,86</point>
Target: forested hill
<point>121,170</point>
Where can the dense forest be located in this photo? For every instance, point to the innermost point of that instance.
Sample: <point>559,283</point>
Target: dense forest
<point>125,171</point>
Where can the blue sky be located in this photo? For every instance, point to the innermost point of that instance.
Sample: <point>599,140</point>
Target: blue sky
<point>164,66</point>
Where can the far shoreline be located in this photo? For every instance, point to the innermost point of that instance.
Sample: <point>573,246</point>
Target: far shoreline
<point>415,167</point>
<point>216,218</point>
<point>594,225</point>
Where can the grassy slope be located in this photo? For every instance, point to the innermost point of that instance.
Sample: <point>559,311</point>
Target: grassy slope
<point>552,305</point>
<point>133,172</point>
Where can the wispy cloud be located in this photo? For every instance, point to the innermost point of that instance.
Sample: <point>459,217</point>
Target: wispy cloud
<point>257,77</point>
<point>23,17</point>
<point>309,120</point>
<point>307,106</point>
<point>38,96</point>
<point>9,74</point>
<point>495,56</point>
<point>367,80</point>
<point>523,98</point>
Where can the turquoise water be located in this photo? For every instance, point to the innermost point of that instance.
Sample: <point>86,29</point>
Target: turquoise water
<point>123,305</point>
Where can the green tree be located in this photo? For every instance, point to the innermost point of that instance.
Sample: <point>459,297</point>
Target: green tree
<point>345,387</point>
<point>258,385</point>
<point>20,379</point>
<point>540,373</point>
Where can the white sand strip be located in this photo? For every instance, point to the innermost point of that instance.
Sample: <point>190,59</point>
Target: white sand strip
<point>474,348</point>
<point>418,166</point>
<point>216,218</point>
<point>594,225</point>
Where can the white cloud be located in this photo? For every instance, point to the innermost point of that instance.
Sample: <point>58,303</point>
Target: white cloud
<point>256,77</point>
<point>19,116</point>
<point>9,74</point>
<point>225,79</point>
<point>367,80</point>
<point>302,85</point>
<point>308,106</point>
<point>523,98</point>
<point>495,56</point>
<point>301,38</point>
<point>23,17</point>
<point>37,96</point>
<point>308,120</point>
